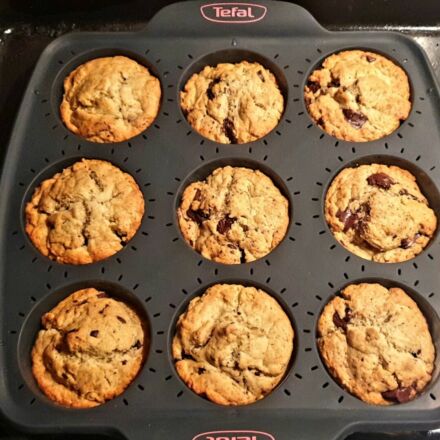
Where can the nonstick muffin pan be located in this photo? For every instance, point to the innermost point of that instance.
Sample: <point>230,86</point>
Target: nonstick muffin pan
<point>159,273</point>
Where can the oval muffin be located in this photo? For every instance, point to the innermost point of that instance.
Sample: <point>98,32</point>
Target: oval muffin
<point>233,344</point>
<point>233,103</point>
<point>358,96</point>
<point>379,213</point>
<point>84,214</point>
<point>110,99</point>
<point>235,216</point>
<point>376,343</point>
<point>90,349</point>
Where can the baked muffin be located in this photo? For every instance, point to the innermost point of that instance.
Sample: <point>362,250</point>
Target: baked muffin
<point>233,103</point>
<point>235,216</point>
<point>90,349</point>
<point>379,213</point>
<point>376,343</point>
<point>358,96</point>
<point>110,99</point>
<point>233,344</point>
<point>84,214</point>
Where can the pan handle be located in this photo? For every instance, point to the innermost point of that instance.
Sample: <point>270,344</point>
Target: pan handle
<point>241,427</point>
<point>213,18</point>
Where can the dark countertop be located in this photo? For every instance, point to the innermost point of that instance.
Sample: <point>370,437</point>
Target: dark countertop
<point>27,26</point>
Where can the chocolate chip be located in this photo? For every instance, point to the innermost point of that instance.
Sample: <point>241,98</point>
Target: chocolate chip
<point>242,256</point>
<point>399,395</point>
<point>187,356</point>
<point>370,59</point>
<point>198,195</point>
<point>245,228</point>
<point>101,312</point>
<point>137,345</point>
<point>201,370</point>
<point>320,122</point>
<point>339,322</point>
<point>102,295</point>
<point>348,218</point>
<point>408,242</point>
<point>121,319</point>
<point>357,120</point>
<point>334,83</point>
<point>209,91</point>
<point>124,362</point>
<point>225,224</point>
<point>404,192</point>
<point>261,76</point>
<point>342,322</point>
<point>313,86</point>
<point>94,333</point>
<point>381,180</point>
<point>198,216</point>
<point>228,128</point>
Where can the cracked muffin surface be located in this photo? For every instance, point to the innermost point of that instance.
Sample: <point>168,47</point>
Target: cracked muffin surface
<point>90,349</point>
<point>84,214</point>
<point>376,343</point>
<point>358,96</point>
<point>379,213</point>
<point>235,216</point>
<point>233,344</point>
<point>233,103</point>
<point>110,99</point>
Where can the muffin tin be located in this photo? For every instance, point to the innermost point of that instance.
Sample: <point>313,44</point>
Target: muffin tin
<point>160,273</point>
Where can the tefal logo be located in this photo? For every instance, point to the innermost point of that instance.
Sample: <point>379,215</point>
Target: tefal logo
<point>234,435</point>
<point>233,12</point>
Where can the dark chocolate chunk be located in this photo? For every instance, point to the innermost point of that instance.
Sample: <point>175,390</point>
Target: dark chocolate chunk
<point>228,127</point>
<point>209,91</point>
<point>102,295</point>
<point>94,333</point>
<point>261,76</point>
<point>348,218</point>
<point>124,362</point>
<point>225,224</point>
<point>339,322</point>
<point>201,370</point>
<point>334,83</point>
<point>399,395</point>
<point>381,180</point>
<point>242,256</point>
<point>137,345</point>
<point>198,216</point>
<point>121,319</point>
<point>198,195</point>
<point>370,59</point>
<point>320,122</point>
<point>342,322</point>
<point>404,192</point>
<point>313,86</point>
<point>357,120</point>
<point>187,356</point>
<point>408,242</point>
